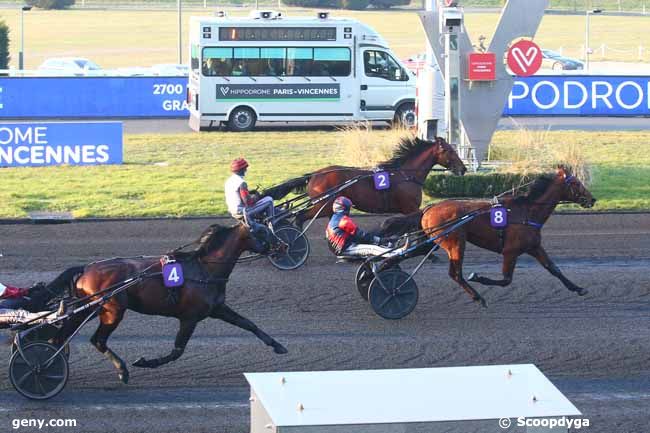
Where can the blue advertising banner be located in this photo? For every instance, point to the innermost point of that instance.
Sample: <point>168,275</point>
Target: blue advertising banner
<point>71,143</point>
<point>123,97</point>
<point>579,96</point>
<point>65,97</point>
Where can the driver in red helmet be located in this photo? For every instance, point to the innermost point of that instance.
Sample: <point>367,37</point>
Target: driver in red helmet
<point>346,238</point>
<point>241,204</point>
<point>19,305</point>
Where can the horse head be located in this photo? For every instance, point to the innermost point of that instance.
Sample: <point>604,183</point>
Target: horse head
<point>446,156</point>
<point>573,190</point>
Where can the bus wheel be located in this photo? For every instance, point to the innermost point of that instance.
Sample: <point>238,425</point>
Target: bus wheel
<point>241,119</point>
<point>405,116</point>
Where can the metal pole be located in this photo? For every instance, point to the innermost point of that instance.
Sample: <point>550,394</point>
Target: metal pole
<point>180,32</point>
<point>205,4</point>
<point>587,42</point>
<point>22,39</point>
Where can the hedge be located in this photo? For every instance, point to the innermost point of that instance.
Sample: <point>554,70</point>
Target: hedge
<point>4,45</point>
<point>473,185</point>
<point>346,4</point>
<point>50,4</point>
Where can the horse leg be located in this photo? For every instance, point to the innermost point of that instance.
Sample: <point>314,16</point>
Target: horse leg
<point>185,331</point>
<point>455,246</point>
<point>508,269</point>
<point>228,315</point>
<point>540,254</point>
<point>107,324</point>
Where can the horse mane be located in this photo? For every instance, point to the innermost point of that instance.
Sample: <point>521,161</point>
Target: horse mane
<point>536,189</point>
<point>212,236</point>
<point>407,148</point>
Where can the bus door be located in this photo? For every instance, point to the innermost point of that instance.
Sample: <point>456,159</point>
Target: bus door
<point>383,83</point>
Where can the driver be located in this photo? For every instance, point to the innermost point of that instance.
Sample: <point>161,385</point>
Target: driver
<point>241,204</point>
<point>19,305</point>
<point>346,238</point>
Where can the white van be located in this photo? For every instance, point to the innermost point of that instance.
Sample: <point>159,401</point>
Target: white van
<point>270,68</point>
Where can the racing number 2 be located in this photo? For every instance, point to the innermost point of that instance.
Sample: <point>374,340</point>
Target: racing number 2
<point>382,180</point>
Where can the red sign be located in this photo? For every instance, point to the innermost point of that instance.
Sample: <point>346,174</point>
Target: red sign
<point>482,67</point>
<point>524,58</point>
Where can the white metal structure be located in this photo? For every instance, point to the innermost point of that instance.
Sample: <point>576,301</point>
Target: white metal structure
<point>431,400</point>
<point>270,68</point>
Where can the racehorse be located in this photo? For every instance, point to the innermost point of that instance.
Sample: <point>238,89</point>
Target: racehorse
<point>206,271</point>
<point>526,215</point>
<point>409,166</point>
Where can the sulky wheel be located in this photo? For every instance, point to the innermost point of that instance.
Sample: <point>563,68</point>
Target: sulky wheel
<point>393,294</point>
<point>44,334</point>
<point>36,372</point>
<point>362,278</point>
<point>293,250</point>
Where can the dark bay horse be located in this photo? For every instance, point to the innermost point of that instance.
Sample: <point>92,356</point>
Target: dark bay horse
<point>203,295</point>
<point>526,216</point>
<point>409,167</point>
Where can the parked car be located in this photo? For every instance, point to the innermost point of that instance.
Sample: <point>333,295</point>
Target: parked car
<point>171,70</point>
<point>77,66</point>
<point>557,62</point>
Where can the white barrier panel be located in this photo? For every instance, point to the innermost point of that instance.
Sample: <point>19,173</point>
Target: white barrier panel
<point>513,398</point>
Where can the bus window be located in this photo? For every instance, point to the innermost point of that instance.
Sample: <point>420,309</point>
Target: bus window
<point>334,62</point>
<point>381,64</point>
<point>299,61</point>
<point>273,61</point>
<point>217,61</point>
<point>246,62</point>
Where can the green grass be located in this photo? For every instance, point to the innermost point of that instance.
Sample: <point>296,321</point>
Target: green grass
<point>122,38</point>
<point>182,175</point>
<point>620,164</point>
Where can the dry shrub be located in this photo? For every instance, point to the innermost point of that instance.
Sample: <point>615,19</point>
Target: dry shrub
<point>366,147</point>
<point>535,152</point>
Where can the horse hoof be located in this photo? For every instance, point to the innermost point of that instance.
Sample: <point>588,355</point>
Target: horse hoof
<point>280,349</point>
<point>472,277</point>
<point>124,376</point>
<point>582,292</point>
<point>482,301</point>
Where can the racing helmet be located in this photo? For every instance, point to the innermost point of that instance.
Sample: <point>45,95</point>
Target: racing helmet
<point>342,204</point>
<point>238,164</point>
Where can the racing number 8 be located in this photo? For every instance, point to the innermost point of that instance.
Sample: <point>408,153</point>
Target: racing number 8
<point>498,217</point>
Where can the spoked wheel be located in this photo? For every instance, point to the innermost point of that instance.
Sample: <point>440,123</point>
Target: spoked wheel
<point>392,294</point>
<point>43,334</point>
<point>293,249</point>
<point>363,278</point>
<point>36,373</point>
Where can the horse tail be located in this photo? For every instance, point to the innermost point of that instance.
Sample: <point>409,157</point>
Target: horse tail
<point>297,185</point>
<point>399,225</point>
<point>66,280</point>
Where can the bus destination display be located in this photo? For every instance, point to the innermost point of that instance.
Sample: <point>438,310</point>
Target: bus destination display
<point>277,33</point>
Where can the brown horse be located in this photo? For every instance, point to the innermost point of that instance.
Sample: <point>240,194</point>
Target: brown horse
<point>408,168</point>
<point>526,216</point>
<point>206,271</point>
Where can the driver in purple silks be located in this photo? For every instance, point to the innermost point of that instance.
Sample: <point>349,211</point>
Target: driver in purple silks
<point>346,238</point>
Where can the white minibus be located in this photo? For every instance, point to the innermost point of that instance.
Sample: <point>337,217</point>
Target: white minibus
<point>268,68</point>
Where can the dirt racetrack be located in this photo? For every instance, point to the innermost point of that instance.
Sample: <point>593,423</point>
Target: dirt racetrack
<point>596,349</point>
